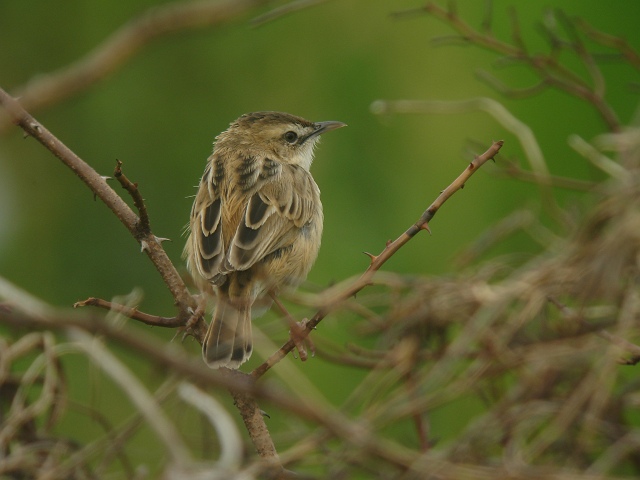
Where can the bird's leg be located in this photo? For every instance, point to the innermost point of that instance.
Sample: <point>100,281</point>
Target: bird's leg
<point>297,330</point>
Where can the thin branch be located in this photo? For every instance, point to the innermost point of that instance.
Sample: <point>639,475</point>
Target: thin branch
<point>176,361</point>
<point>514,170</point>
<point>284,10</point>
<point>506,119</point>
<point>124,44</point>
<point>631,348</point>
<point>230,440</point>
<point>583,53</point>
<point>611,41</point>
<point>131,312</point>
<point>377,261</point>
<point>510,92</point>
<point>487,40</point>
<point>98,185</point>
<point>130,384</point>
<point>143,226</point>
<point>547,67</point>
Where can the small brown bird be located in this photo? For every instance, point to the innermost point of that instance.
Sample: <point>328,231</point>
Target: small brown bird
<point>255,225</point>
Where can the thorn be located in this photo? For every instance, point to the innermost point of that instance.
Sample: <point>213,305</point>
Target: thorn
<point>105,177</point>
<point>425,226</point>
<point>371,256</point>
<point>462,186</point>
<point>35,126</point>
<point>389,242</point>
<point>159,240</point>
<point>265,414</point>
<point>143,246</point>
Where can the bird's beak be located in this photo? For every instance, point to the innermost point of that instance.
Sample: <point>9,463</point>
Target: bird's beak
<point>323,127</point>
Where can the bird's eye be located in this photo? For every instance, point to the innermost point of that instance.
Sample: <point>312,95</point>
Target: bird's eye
<point>291,137</point>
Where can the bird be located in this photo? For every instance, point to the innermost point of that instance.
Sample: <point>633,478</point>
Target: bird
<point>255,226</point>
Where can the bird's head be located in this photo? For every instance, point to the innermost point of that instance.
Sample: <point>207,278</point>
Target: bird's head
<point>286,137</point>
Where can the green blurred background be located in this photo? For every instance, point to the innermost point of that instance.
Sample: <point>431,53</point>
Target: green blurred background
<point>160,113</point>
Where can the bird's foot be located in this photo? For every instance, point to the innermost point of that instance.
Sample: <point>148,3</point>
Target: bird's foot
<point>300,337</point>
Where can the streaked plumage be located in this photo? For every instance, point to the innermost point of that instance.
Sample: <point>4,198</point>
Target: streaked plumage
<point>256,223</point>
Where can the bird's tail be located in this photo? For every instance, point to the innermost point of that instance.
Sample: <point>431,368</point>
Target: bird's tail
<point>228,339</point>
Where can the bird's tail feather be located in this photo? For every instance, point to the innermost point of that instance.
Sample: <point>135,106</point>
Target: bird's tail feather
<point>228,339</point>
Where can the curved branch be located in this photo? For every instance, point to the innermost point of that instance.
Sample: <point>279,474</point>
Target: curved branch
<point>122,45</point>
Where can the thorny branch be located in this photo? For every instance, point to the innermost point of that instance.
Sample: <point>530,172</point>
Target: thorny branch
<point>377,261</point>
<point>143,226</point>
<point>563,403</point>
<point>139,228</point>
<point>98,185</point>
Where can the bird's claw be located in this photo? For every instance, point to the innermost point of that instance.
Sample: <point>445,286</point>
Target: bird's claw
<point>299,336</point>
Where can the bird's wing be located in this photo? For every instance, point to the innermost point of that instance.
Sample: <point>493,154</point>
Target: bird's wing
<point>205,247</point>
<point>274,214</point>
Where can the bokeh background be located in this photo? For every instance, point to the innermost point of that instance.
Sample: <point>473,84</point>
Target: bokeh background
<point>159,114</point>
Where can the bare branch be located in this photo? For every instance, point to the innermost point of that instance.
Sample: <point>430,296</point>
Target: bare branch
<point>143,225</point>
<point>122,45</point>
<point>546,66</point>
<point>611,41</point>
<point>377,261</point>
<point>284,10</point>
<point>98,185</point>
<point>239,383</point>
<point>131,312</point>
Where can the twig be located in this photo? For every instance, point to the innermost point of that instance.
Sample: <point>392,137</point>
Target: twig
<point>547,67</point>
<point>97,184</point>
<point>513,170</point>
<point>333,420</point>
<point>378,260</point>
<point>610,41</point>
<point>144,401</point>
<point>143,227</point>
<point>132,312</point>
<point>499,113</point>
<point>124,44</point>
<point>283,10</point>
<point>230,441</point>
<point>631,348</point>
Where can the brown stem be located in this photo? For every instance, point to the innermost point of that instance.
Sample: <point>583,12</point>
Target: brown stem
<point>131,312</point>
<point>98,185</point>
<point>378,260</point>
<point>239,383</point>
<point>547,67</point>
<point>143,226</point>
<point>124,44</point>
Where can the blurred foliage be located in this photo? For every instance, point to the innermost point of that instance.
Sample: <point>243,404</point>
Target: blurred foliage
<point>159,114</point>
